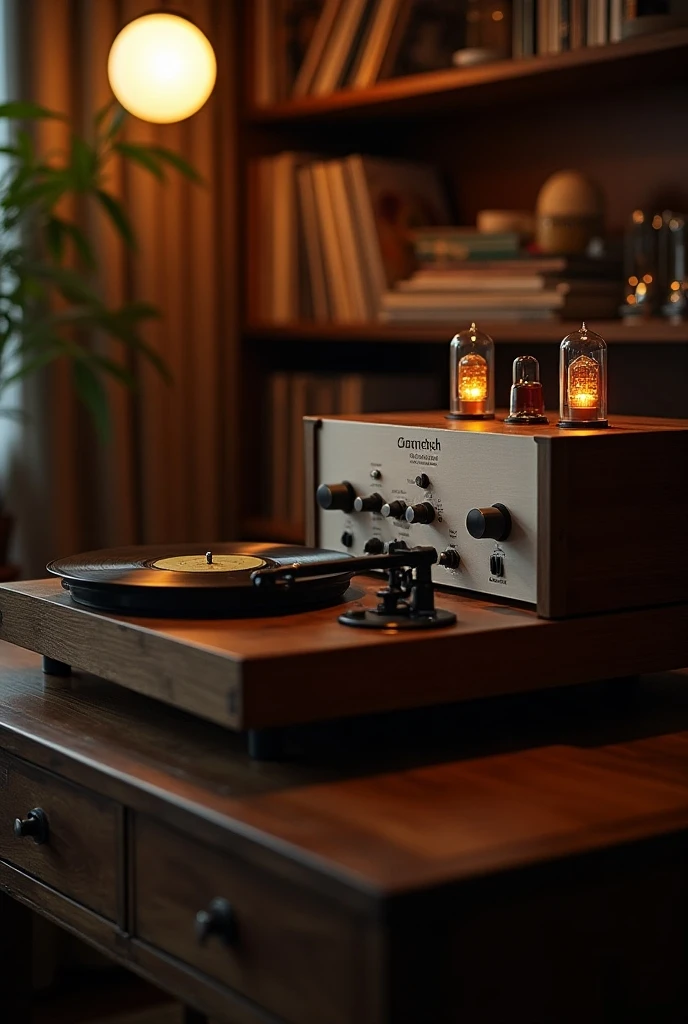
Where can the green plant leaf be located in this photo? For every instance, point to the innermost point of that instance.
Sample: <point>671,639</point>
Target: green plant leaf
<point>102,114</point>
<point>118,118</point>
<point>140,155</point>
<point>23,110</point>
<point>90,390</point>
<point>179,163</point>
<point>70,283</point>
<point>79,240</point>
<point>116,213</point>
<point>55,237</point>
<point>83,163</point>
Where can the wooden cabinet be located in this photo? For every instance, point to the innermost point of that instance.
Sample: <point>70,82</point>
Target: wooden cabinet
<point>282,947</point>
<point>79,853</point>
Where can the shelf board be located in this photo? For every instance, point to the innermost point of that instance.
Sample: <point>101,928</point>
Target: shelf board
<point>537,331</point>
<point>586,70</point>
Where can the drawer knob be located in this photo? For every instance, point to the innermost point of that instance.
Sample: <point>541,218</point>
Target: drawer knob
<point>35,825</point>
<point>219,920</point>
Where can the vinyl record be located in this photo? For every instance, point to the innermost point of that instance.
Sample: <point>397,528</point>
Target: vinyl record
<point>186,581</point>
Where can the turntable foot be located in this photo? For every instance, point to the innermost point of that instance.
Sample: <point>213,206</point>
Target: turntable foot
<point>266,744</point>
<point>51,667</point>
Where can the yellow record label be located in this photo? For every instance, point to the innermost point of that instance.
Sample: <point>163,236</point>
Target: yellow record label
<point>216,563</point>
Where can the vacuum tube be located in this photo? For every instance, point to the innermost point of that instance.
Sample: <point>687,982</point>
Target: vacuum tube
<point>527,403</point>
<point>675,305</point>
<point>640,262</point>
<point>583,380</point>
<point>471,371</point>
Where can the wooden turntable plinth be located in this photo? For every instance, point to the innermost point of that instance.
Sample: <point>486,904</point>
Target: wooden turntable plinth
<point>283,670</point>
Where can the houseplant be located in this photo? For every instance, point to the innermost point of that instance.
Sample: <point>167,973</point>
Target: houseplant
<point>49,298</point>
<point>50,301</point>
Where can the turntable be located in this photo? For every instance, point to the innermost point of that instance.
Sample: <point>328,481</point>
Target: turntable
<point>254,636</point>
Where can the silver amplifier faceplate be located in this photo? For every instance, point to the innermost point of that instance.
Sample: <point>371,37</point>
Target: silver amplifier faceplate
<point>466,470</point>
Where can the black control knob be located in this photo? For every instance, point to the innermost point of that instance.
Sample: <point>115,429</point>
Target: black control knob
<point>218,920</point>
<point>336,496</point>
<point>423,480</point>
<point>373,503</point>
<point>450,558</point>
<point>33,826</point>
<point>394,510</point>
<point>423,513</point>
<point>347,539</point>
<point>493,522</point>
<point>374,546</point>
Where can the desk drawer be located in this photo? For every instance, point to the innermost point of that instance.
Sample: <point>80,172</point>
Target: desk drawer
<point>79,855</point>
<point>289,952</point>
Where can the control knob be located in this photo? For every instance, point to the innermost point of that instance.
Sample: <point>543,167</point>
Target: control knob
<point>394,510</point>
<point>493,522</point>
<point>450,558</point>
<point>336,496</point>
<point>422,513</point>
<point>372,503</point>
<point>374,546</point>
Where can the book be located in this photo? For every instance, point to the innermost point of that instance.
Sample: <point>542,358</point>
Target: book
<point>314,258</point>
<point>597,22</point>
<point>447,243</point>
<point>395,196</point>
<point>316,47</point>
<point>377,45</point>
<point>353,256</point>
<point>578,266</point>
<point>338,292</point>
<point>285,243</point>
<point>338,47</point>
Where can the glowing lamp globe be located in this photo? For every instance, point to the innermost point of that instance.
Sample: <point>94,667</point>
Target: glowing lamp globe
<point>161,68</point>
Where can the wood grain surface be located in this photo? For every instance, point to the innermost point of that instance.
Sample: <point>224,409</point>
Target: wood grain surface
<point>412,802</point>
<point>254,673</point>
<point>80,855</point>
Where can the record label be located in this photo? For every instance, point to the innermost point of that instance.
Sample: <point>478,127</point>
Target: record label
<point>216,563</point>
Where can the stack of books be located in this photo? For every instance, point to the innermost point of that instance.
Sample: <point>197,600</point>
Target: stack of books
<point>496,281</point>
<point>329,237</point>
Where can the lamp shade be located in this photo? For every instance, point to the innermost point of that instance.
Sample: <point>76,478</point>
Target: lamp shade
<point>161,68</point>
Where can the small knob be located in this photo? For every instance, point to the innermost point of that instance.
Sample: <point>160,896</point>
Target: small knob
<point>336,496</point>
<point>423,513</point>
<point>347,539</point>
<point>217,920</point>
<point>394,510</point>
<point>374,546</point>
<point>423,480</point>
<point>34,825</point>
<point>493,523</point>
<point>450,558</point>
<point>373,503</point>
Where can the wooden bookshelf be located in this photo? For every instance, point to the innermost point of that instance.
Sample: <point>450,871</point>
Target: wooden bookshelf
<point>578,73</point>
<point>614,112</point>
<point>654,331</point>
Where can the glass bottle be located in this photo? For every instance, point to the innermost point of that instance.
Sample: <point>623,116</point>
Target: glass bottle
<point>527,402</point>
<point>583,380</point>
<point>471,372</point>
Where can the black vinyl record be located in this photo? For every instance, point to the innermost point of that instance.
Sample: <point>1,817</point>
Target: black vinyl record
<point>185,581</point>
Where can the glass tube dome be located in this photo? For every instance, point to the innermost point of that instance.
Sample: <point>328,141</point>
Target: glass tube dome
<point>471,372</point>
<point>583,380</point>
<point>527,402</point>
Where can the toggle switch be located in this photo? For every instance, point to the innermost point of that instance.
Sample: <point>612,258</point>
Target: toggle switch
<point>450,558</point>
<point>423,480</point>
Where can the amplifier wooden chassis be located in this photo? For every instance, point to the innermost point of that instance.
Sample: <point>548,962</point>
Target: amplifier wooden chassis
<point>611,505</point>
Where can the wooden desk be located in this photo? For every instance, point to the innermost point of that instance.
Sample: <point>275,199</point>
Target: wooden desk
<point>521,859</point>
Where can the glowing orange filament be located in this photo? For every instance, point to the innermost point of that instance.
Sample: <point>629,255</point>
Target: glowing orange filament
<point>472,378</point>
<point>583,383</point>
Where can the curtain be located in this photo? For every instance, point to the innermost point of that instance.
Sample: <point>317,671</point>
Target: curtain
<point>164,475</point>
